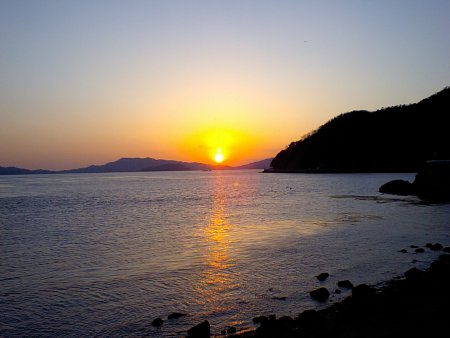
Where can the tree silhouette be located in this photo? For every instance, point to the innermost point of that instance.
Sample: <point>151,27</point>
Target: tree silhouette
<point>393,139</point>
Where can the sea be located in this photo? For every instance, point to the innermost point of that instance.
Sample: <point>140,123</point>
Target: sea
<point>103,255</point>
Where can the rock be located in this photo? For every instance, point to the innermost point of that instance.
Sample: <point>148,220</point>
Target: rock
<point>323,276</point>
<point>413,246</point>
<point>415,275</point>
<point>176,315</point>
<point>403,251</point>
<point>444,258</point>
<point>309,318</point>
<point>446,249</point>
<point>200,330</point>
<point>157,322</point>
<point>231,330</point>
<point>414,261</point>
<point>419,250</point>
<point>345,284</point>
<point>440,268</point>
<point>260,319</point>
<point>279,298</point>
<point>428,245</point>
<point>397,187</point>
<point>433,182</point>
<point>337,291</point>
<point>362,292</point>
<point>269,325</point>
<point>320,294</point>
<point>436,246</point>
<point>286,320</point>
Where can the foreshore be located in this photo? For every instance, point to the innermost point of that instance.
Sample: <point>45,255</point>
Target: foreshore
<point>416,304</point>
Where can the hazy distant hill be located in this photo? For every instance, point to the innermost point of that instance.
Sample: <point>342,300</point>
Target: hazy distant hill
<point>136,165</point>
<point>21,171</point>
<point>168,167</point>
<point>263,164</point>
<point>139,164</point>
<point>399,138</point>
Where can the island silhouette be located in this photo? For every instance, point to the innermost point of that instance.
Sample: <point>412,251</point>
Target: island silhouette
<point>138,165</point>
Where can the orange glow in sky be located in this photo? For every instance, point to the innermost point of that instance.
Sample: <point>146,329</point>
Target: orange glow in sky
<point>94,82</point>
<point>220,145</point>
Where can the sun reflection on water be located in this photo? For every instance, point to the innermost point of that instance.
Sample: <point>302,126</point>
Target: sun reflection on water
<point>218,280</point>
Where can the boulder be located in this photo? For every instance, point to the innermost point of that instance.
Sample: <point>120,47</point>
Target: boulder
<point>176,315</point>
<point>260,319</point>
<point>308,317</point>
<point>446,249</point>
<point>444,258</point>
<point>231,330</point>
<point>279,298</point>
<point>362,292</point>
<point>441,269</point>
<point>403,251</point>
<point>345,284</point>
<point>321,294</point>
<point>436,247</point>
<point>286,320</point>
<point>415,275</point>
<point>157,322</point>
<point>202,330</point>
<point>397,187</point>
<point>433,181</point>
<point>419,250</point>
<point>323,276</point>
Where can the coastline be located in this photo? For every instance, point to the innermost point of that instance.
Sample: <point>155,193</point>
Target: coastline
<point>334,171</point>
<point>415,304</point>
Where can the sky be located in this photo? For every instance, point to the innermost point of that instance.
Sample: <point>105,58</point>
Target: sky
<point>89,82</point>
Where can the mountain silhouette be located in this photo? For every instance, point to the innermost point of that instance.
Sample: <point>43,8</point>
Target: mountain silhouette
<point>138,165</point>
<point>21,171</point>
<point>263,164</point>
<point>394,139</point>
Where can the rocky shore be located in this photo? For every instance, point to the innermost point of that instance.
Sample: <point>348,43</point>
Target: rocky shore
<point>416,304</point>
<point>432,183</point>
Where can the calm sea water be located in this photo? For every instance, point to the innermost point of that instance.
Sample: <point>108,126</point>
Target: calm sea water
<point>93,255</point>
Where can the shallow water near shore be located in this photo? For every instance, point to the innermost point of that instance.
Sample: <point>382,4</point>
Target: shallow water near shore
<point>104,254</point>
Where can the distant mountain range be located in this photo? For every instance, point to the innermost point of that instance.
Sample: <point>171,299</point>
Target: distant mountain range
<point>394,139</point>
<point>138,165</point>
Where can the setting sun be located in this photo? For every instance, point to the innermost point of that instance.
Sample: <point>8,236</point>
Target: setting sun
<point>218,157</point>
<point>218,145</point>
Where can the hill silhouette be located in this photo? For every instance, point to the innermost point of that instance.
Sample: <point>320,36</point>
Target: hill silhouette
<point>137,165</point>
<point>263,164</point>
<point>21,171</point>
<point>394,139</point>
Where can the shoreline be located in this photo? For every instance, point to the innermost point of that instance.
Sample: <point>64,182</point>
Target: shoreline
<point>334,171</point>
<point>414,304</point>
